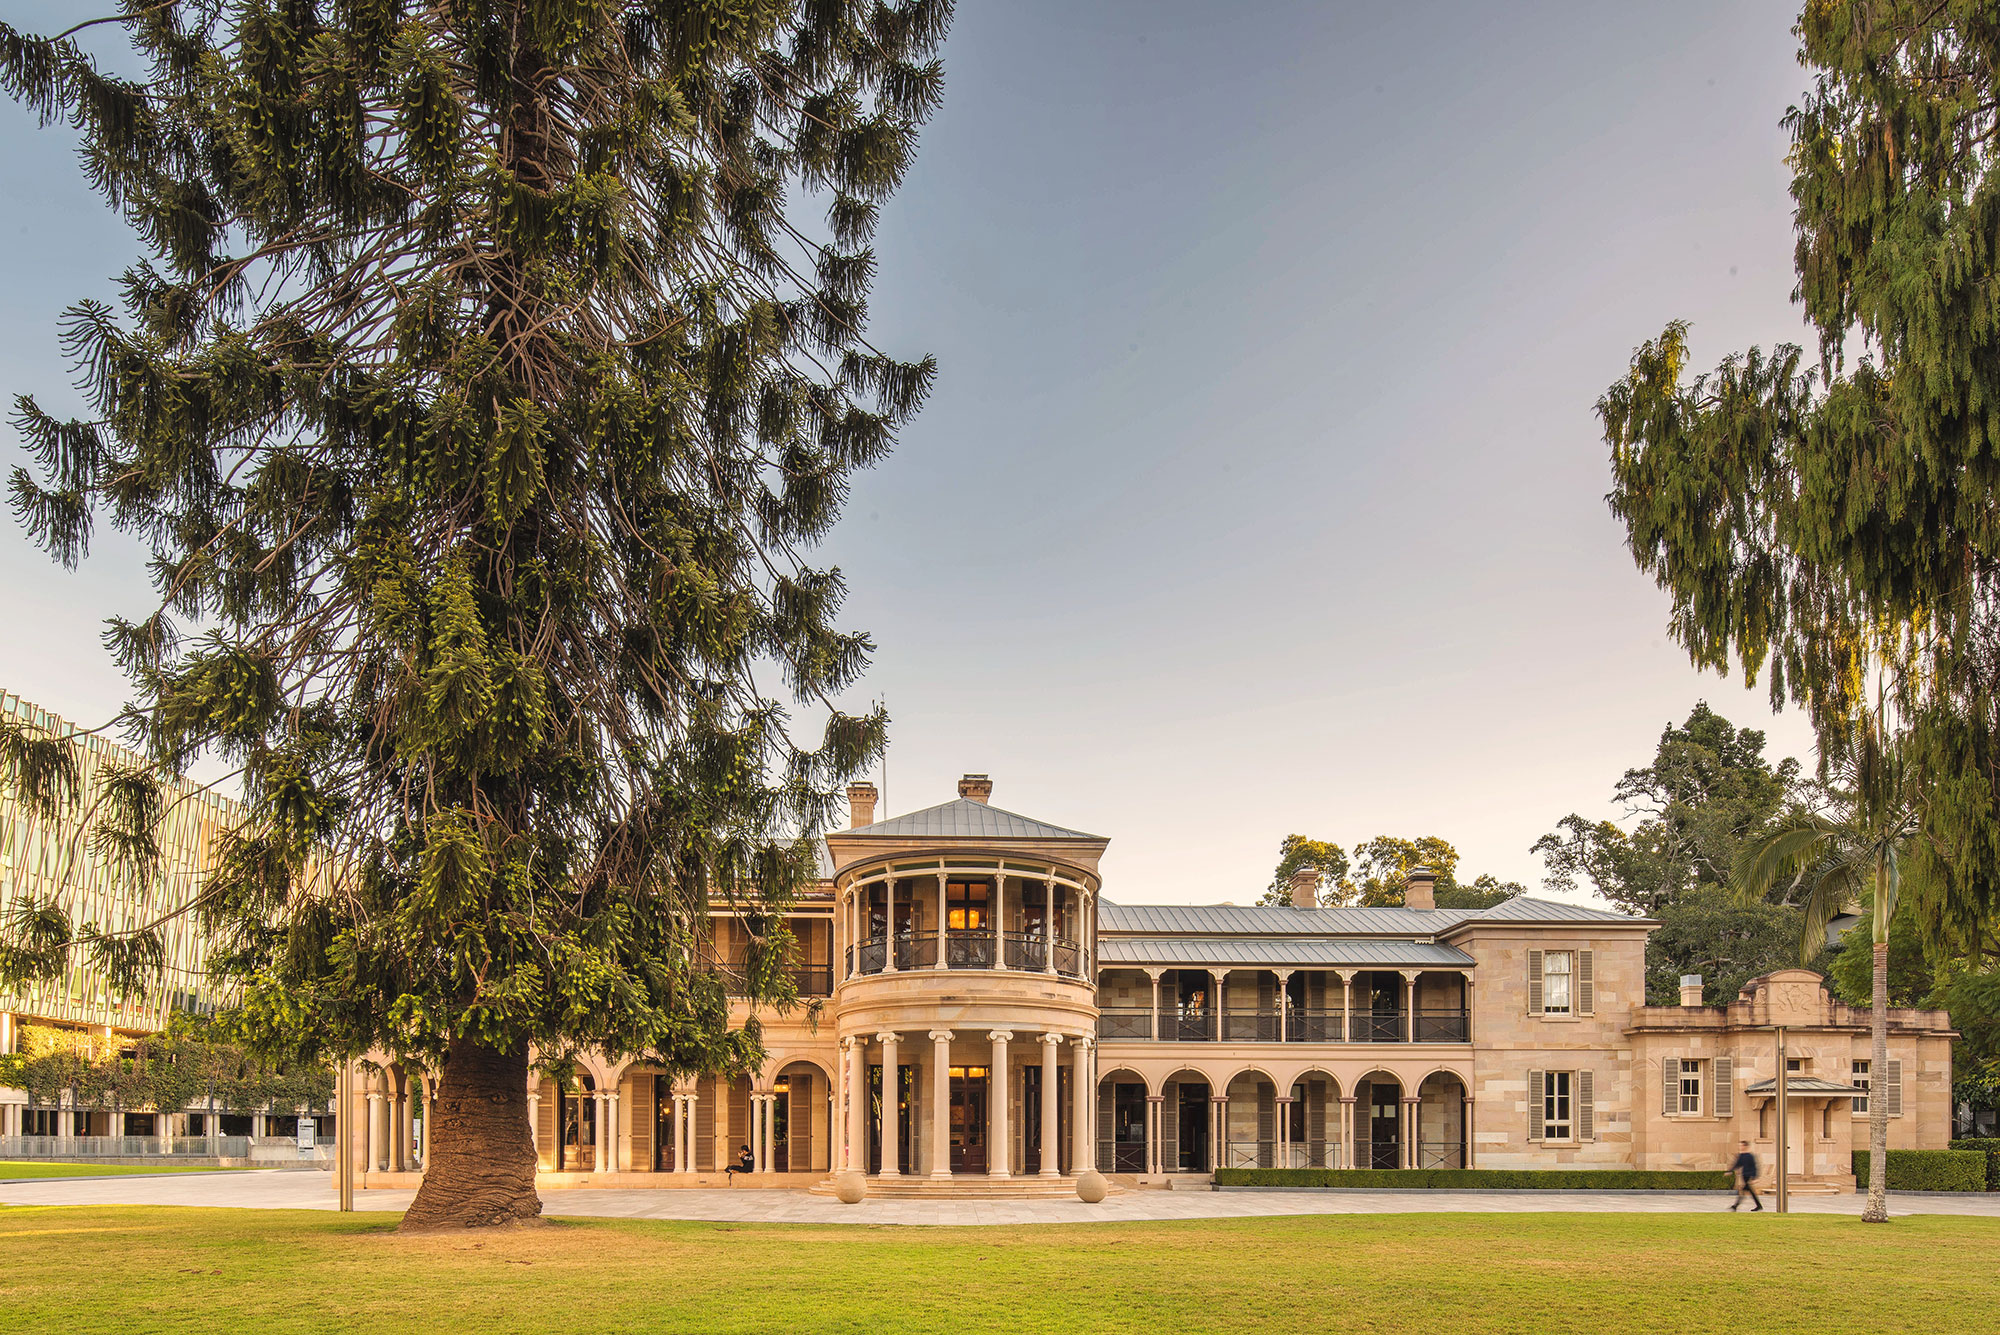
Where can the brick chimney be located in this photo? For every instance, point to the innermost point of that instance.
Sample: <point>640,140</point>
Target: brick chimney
<point>1691,989</point>
<point>976,786</point>
<point>1419,888</point>
<point>860,805</point>
<point>1305,888</point>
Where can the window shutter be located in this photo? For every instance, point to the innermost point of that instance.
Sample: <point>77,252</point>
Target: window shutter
<point>704,1124</point>
<point>1586,1105</point>
<point>1170,1127</point>
<point>639,1098</point>
<point>1267,1125</point>
<point>1107,1159</point>
<point>1670,1086</point>
<point>1892,1089</point>
<point>1725,1086</point>
<point>545,1124</point>
<point>1534,982</point>
<point>1535,1101</point>
<point>1586,992</point>
<point>799,1122</point>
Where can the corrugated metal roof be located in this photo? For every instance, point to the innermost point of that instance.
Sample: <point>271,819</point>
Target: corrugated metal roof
<point>963,818</point>
<point>1278,951</point>
<point>1271,920</point>
<point>1279,920</point>
<point>1800,1086</point>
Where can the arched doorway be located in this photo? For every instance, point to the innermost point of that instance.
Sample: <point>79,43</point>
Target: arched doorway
<point>1250,1131</point>
<point>1380,1131</point>
<point>1187,1126</point>
<point>1441,1121</point>
<point>800,1139</point>
<point>1311,1129</point>
<point>576,1145</point>
<point>1123,1120</point>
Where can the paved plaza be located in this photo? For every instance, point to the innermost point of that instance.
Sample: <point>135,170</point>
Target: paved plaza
<point>278,1190</point>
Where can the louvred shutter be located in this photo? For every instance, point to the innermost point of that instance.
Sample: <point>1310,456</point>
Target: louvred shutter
<point>1725,1086</point>
<point>1586,1105</point>
<point>639,1098</point>
<point>1534,982</point>
<point>1893,1089</point>
<point>1670,1086</point>
<point>1106,1153</point>
<point>1586,989</point>
<point>1535,1101</point>
<point>1170,1127</point>
<point>545,1125</point>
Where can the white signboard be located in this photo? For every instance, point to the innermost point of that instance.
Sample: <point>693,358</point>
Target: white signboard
<point>307,1126</point>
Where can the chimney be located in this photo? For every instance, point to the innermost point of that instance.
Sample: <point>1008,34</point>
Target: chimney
<point>975,786</point>
<point>860,805</point>
<point>1419,888</point>
<point>1691,989</point>
<point>1305,888</point>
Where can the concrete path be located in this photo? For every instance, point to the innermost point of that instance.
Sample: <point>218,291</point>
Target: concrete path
<point>314,1191</point>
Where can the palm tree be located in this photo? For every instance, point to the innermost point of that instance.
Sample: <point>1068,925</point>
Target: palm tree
<point>1856,856</point>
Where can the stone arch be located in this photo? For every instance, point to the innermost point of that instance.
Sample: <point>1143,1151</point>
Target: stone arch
<point>1249,1131</point>
<point>1123,1118</point>
<point>1380,1132</point>
<point>1315,1124</point>
<point>1187,1120</point>
<point>802,1121</point>
<point>1442,1125</point>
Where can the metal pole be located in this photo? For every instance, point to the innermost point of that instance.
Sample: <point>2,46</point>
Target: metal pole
<point>343,1137</point>
<point>1784,1118</point>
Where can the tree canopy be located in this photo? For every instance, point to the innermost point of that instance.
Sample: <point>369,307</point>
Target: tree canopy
<point>1379,871</point>
<point>489,377</point>
<point>1830,520</point>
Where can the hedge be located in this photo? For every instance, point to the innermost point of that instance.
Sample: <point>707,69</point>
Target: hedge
<point>1990,1147</point>
<point>1928,1170</point>
<point>1475,1179</point>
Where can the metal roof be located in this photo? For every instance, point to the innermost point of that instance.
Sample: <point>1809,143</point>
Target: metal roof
<point>1279,951</point>
<point>1280,920</point>
<point>1800,1086</point>
<point>963,818</point>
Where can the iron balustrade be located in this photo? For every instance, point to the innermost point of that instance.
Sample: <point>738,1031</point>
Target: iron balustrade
<point>1378,1027</point>
<point>1251,1153</point>
<point>1187,1024</point>
<point>1248,1026</point>
<point>1444,1026</point>
<point>1313,1026</point>
<point>1440,1154</point>
<point>814,980</point>
<point>1025,951</point>
<point>1125,1024</point>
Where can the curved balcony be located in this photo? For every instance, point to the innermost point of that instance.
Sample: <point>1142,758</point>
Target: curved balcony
<point>1022,952</point>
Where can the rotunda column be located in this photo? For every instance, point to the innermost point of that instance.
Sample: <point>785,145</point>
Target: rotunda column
<point>1084,1155</point>
<point>1000,1140</point>
<point>941,1101</point>
<point>892,1112</point>
<point>1050,1142</point>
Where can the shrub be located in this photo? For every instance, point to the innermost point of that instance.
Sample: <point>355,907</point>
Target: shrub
<point>1928,1170</point>
<point>1990,1147</point>
<point>1472,1179</point>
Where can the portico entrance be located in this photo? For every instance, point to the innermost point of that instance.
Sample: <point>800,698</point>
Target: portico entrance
<point>968,1119</point>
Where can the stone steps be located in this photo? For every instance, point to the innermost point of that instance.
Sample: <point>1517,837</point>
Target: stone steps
<point>961,1188</point>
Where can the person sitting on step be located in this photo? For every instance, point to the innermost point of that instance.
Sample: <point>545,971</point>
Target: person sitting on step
<point>746,1162</point>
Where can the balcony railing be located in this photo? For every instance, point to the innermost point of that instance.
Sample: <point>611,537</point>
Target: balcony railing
<point>1443,1026</point>
<point>1201,1024</point>
<point>1378,1027</point>
<point>1025,951</point>
<point>814,980</point>
<point>1247,1026</point>
<point>1313,1026</point>
<point>1187,1024</point>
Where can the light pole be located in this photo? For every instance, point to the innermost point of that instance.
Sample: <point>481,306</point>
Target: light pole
<point>343,1137</point>
<point>1784,1118</point>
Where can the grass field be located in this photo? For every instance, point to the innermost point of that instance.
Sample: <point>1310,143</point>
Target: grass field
<point>166,1269</point>
<point>16,1169</point>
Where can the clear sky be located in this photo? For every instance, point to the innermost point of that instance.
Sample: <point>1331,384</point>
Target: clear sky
<point>1262,490</point>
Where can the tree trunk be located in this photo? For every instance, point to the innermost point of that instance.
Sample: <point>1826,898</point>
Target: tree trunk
<point>1877,1210</point>
<point>482,1170</point>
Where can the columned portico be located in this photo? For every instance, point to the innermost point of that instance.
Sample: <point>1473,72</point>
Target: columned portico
<point>892,1097</point>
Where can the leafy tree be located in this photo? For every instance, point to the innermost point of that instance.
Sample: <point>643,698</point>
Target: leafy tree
<point>1381,866</point>
<point>1838,861</point>
<point>1708,789</point>
<point>484,392</point>
<point>1832,520</point>
<point>1297,851</point>
<point>1709,930</point>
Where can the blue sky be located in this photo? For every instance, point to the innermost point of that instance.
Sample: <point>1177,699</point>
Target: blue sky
<point>1262,490</point>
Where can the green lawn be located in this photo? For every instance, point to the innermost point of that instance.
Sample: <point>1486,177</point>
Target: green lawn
<point>163,1269</point>
<point>17,1168</point>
